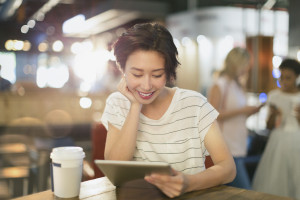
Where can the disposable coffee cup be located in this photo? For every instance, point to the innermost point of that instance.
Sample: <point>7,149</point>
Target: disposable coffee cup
<point>66,171</point>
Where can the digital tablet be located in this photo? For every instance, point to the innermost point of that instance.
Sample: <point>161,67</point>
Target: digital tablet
<point>120,172</point>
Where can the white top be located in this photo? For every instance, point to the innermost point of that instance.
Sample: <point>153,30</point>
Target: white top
<point>176,138</point>
<point>285,102</point>
<point>234,129</point>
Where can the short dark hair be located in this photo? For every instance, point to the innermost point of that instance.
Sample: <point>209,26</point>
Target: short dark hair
<point>148,37</point>
<point>291,64</point>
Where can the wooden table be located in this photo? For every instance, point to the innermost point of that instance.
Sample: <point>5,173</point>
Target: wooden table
<point>129,192</point>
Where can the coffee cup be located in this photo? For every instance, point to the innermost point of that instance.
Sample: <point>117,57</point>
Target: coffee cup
<point>66,171</point>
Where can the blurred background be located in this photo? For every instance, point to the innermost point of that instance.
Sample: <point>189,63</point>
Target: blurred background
<point>57,55</point>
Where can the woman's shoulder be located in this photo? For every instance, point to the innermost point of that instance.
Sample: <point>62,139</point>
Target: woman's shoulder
<point>186,94</point>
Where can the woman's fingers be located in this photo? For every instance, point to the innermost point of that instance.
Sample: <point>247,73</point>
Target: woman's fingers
<point>172,186</point>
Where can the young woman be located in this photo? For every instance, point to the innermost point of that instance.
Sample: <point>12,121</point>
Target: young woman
<point>148,121</point>
<point>278,170</point>
<point>228,96</point>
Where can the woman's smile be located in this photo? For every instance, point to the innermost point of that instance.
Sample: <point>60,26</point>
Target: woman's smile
<point>145,95</point>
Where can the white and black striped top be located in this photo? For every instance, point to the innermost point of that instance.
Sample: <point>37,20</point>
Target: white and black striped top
<point>176,138</point>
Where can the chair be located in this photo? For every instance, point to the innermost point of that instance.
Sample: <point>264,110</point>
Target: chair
<point>208,162</point>
<point>98,145</point>
<point>20,159</point>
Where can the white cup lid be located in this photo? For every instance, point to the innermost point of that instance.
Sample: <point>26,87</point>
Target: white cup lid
<point>67,153</point>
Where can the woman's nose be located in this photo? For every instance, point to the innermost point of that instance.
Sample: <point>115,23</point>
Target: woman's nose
<point>146,83</point>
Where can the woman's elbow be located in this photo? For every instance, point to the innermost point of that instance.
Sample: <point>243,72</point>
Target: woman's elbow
<point>231,173</point>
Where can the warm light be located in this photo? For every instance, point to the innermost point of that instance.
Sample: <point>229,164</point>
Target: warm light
<point>205,45</point>
<point>8,63</point>
<point>52,73</point>
<point>27,45</point>
<point>31,23</point>
<point>85,87</point>
<point>18,45</point>
<point>24,29</point>
<point>226,44</point>
<point>176,42</point>
<point>73,25</point>
<point>58,46</point>
<point>40,17</point>
<point>57,76</point>
<point>82,47</point>
<point>76,47</point>
<point>223,47</point>
<point>276,60</point>
<point>41,77</point>
<point>87,45</point>
<point>43,47</point>
<point>91,65</point>
<point>186,42</point>
<point>9,45</point>
<point>85,102</point>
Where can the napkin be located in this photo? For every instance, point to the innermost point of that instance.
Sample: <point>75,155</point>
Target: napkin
<point>95,187</point>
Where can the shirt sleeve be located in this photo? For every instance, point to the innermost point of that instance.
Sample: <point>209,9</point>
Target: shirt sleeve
<point>113,112</point>
<point>208,114</point>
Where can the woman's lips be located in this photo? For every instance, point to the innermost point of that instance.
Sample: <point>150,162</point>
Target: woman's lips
<point>145,95</point>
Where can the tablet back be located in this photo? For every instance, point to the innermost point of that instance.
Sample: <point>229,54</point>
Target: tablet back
<point>119,172</point>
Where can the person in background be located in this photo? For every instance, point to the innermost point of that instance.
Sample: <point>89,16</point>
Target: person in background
<point>228,96</point>
<point>5,85</point>
<point>148,121</point>
<point>278,171</point>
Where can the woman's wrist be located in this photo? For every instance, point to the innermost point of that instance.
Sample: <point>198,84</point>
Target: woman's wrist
<point>136,106</point>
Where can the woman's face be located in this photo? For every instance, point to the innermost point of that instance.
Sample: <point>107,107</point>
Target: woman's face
<point>287,80</point>
<point>145,75</point>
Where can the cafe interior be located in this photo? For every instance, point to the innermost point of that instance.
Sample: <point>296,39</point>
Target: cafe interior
<point>57,55</point>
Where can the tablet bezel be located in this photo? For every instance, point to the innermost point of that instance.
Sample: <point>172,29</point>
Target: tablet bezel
<point>120,172</point>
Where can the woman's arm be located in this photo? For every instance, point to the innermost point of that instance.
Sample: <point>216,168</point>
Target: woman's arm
<point>215,98</point>
<point>222,172</point>
<point>120,144</point>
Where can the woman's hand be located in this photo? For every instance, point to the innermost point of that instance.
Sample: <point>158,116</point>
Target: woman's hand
<point>122,87</point>
<point>250,110</point>
<point>172,186</point>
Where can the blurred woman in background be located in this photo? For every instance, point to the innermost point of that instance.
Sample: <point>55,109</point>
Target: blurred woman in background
<point>278,171</point>
<point>228,96</point>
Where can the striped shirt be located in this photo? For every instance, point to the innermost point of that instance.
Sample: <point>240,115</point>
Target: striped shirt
<point>176,138</point>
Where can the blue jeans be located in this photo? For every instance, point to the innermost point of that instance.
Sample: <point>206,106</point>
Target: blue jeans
<point>242,179</point>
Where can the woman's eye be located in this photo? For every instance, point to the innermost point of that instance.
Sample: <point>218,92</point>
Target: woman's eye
<point>157,76</point>
<point>137,75</point>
